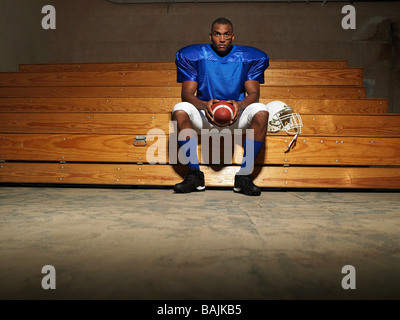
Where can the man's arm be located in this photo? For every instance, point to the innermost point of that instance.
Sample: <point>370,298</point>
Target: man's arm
<point>253,94</point>
<point>189,89</point>
<point>252,88</point>
<point>188,93</point>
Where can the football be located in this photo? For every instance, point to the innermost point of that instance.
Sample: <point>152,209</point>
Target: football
<point>223,113</point>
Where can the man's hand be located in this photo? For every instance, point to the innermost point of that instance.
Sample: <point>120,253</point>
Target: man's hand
<point>209,112</point>
<point>236,114</point>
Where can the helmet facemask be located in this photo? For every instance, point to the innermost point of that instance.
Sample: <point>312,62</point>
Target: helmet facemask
<point>291,123</point>
<point>283,118</point>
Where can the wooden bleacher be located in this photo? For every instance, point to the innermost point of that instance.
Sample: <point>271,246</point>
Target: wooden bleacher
<point>76,124</point>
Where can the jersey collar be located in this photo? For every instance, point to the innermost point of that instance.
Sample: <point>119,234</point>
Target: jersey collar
<point>218,56</point>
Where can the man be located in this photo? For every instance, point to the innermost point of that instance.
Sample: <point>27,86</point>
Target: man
<point>221,71</point>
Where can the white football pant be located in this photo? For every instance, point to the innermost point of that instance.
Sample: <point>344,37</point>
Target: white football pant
<point>199,120</point>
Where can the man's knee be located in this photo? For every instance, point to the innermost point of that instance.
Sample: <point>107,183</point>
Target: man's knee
<point>179,115</point>
<point>184,113</point>
<point>184,106</point>
<point>181,111</point>
<point>261,116</point>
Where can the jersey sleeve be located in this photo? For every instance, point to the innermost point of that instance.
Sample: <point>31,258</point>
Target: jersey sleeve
<point>257,69</point>
<point>185,68</point>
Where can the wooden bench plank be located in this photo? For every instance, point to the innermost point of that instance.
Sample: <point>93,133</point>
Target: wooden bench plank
<point>99,123</point>
<point>352,125</point>
<point>101,66</point>
<point>272,92</point>
<point>165,105</point>
<point>120,148</point>
<point>313,64</point>
<point>166,65</point>
<point>102,92</point>
<point>321,77</point>
<point>330,177</point>
<point>338,106</point>
<point>167,175</point>
<point>87,79</point>
<point>387,125</point>
<point>273,77</point>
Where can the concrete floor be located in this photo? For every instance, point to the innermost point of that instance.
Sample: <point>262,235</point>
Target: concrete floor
<point>124,243</point>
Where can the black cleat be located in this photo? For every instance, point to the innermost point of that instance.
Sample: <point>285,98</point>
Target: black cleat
<point>244,184</point>
<point>194,181</point>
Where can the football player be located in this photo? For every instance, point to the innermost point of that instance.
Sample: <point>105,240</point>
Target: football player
<point>221,71</point>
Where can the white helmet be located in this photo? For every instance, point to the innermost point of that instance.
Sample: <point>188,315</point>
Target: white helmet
<point>281,117</point>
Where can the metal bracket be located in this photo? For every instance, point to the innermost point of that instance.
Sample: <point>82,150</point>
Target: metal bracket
<point>140,141</point>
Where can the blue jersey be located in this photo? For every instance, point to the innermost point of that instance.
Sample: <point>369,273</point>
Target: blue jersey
<point>219,77</point>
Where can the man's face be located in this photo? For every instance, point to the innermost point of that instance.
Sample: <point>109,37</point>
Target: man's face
<point>221,37</point>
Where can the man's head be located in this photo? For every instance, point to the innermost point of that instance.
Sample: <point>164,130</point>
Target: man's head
<point>221,35</point>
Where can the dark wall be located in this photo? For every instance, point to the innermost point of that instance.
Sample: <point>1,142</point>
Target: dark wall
<point>101,31</point>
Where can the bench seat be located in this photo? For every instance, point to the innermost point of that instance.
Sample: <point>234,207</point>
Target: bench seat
<point>80,124</point>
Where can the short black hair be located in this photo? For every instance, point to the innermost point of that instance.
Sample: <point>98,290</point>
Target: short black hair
<point>221,21</point>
